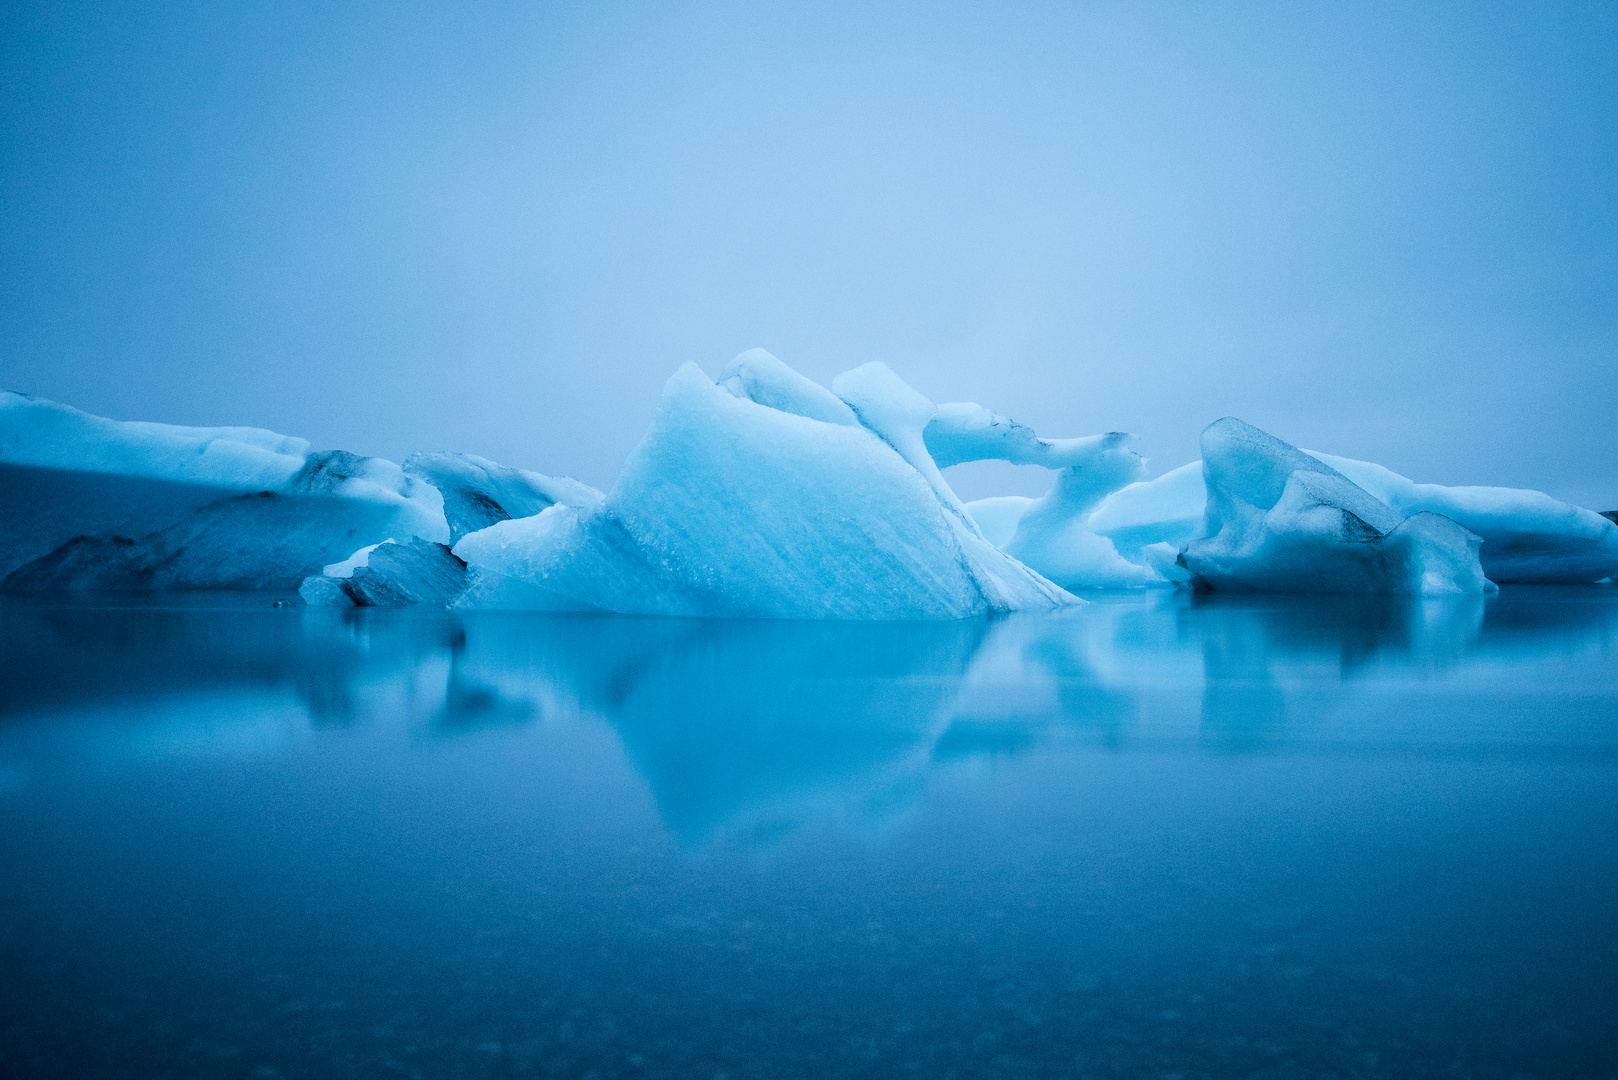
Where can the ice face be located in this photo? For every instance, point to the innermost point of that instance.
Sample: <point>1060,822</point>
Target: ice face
<point>998,515</point>
<point>734,508</point>
<point>1527,535</point>
<point>1279,520</point>
<point>887,405</point>
<point>478,492</point>
<point>103,504</point>
<point>390,575</point>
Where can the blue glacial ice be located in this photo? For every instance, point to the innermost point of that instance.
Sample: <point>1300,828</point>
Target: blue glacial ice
<point>1527,536</point>
<point>1164,513</point>
<point>478,492</point>
<point>762,494</point>
<point>389,574</point>
<point>732,506</point>
<point>1051,534</point>
<point>1279,520</point>
<point>103,504</point>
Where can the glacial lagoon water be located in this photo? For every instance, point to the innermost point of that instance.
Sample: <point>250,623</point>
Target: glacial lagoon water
<point>1164,835</point>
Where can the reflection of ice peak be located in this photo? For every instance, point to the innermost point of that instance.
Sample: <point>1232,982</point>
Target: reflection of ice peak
<point>748,724</point>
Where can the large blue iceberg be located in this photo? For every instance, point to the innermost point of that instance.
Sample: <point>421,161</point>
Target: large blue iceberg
<point>802,505</point>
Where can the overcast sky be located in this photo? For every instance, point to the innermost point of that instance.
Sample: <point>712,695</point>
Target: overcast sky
<point>1388,232</point>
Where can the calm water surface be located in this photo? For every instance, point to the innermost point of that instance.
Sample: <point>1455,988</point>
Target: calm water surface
<point>1161,836</point>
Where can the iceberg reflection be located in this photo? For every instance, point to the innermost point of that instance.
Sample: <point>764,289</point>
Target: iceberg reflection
<point>749,729</point>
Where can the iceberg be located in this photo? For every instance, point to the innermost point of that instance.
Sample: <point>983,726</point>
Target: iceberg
<point>734,507</point>
<point>1279,520</point>
<point>102,504</point>
<point>1527,535</point>
<point>761,494</point>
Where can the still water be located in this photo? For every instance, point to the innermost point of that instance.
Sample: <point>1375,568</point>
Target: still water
<point>1160,836</point>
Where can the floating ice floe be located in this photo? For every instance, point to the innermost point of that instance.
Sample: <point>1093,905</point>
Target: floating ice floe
<point>1527,535</point>
<point>103,504</point>
<point>1279,520</point>
<point>759,497</point>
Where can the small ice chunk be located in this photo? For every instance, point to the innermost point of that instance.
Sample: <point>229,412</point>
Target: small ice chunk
<point>393,575</point>
<point>323,591</point>
<point>1165,559</point>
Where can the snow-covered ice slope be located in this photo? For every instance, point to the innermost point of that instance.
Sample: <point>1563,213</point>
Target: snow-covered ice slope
<point>733,507</point>
<point>93,503</point>
<point>1279,520</point>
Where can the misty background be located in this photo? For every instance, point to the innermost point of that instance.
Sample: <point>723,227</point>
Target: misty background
<point>1382,231</point>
